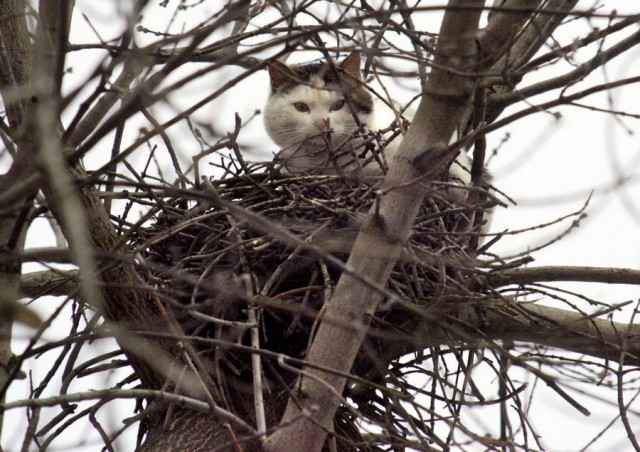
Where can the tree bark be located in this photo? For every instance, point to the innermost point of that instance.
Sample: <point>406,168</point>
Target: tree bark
<point>14,220</point>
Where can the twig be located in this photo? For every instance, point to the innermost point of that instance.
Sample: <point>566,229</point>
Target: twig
<point>112,394</point>
<point>606,275</point>
<point>256,363</point>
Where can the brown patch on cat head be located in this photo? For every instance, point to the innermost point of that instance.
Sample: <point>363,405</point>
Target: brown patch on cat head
<point>283,78</point>
<point>351,64</point>
<point>345,77</point>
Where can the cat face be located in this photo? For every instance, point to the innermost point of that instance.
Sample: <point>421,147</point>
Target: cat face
<point>312,111</point>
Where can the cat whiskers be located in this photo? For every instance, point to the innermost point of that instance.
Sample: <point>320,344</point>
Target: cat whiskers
<point>340,149</point>
<point>294,138</point>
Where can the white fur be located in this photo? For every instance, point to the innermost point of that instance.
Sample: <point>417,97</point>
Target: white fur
<point>303,148</point>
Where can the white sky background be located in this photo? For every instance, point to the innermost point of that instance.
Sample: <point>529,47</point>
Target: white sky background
<point>548,166</point>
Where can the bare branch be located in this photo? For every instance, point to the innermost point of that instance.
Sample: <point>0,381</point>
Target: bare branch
<point>529,275</point>
<point>563,81</point>
<point>49,282</point>
<point>109,394</point>
<point>525,323</point>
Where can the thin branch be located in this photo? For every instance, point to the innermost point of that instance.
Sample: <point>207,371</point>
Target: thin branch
<point>512,321</point>
<point>111,394</point>
<point>562,100</point>
<point>606,275</point>
<point>49,282</point>
<point>563,81</point>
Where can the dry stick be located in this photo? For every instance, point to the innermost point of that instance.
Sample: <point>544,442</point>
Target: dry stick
<point>508,20</point>
<point>22,188</point>
<point>579,73</point>
<point>476,197</point>
<point>582,274</point>
<point>90,121</point>
<point>256,365</point>
<point>256,361</point>
<point>62,283</point>
<point>182,179</point>
<point>549,380</point>
<point>114,393</point>
<point>562,100</point>
<point>276,356</point>
<point>620,380</point>
<point>537,33</point>
<point>234,439</point>
<point>530,39</point>
<point>595,35</point>
<point>96,424</point>
<point>141,94</point>
<point>30,434</point>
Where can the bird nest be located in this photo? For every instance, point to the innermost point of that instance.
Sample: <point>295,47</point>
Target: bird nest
<point>279,243</point>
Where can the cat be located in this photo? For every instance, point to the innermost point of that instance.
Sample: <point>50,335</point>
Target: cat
<point>326,121</point>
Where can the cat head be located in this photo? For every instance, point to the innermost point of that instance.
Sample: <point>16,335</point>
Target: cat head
<point>312,109</point>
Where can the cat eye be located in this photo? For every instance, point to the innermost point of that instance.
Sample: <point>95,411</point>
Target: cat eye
<point>301,107</point>
<point>337,105</point>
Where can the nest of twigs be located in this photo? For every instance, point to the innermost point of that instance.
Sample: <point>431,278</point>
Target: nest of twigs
<point>279,250</point>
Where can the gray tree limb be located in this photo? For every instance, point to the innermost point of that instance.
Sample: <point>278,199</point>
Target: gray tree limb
<point>14,219</point>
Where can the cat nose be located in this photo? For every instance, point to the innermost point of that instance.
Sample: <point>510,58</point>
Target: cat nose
<point>321,124</point>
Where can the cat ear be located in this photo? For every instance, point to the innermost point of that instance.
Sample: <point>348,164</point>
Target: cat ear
<point>351,64</point>
<point>279,74</point>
